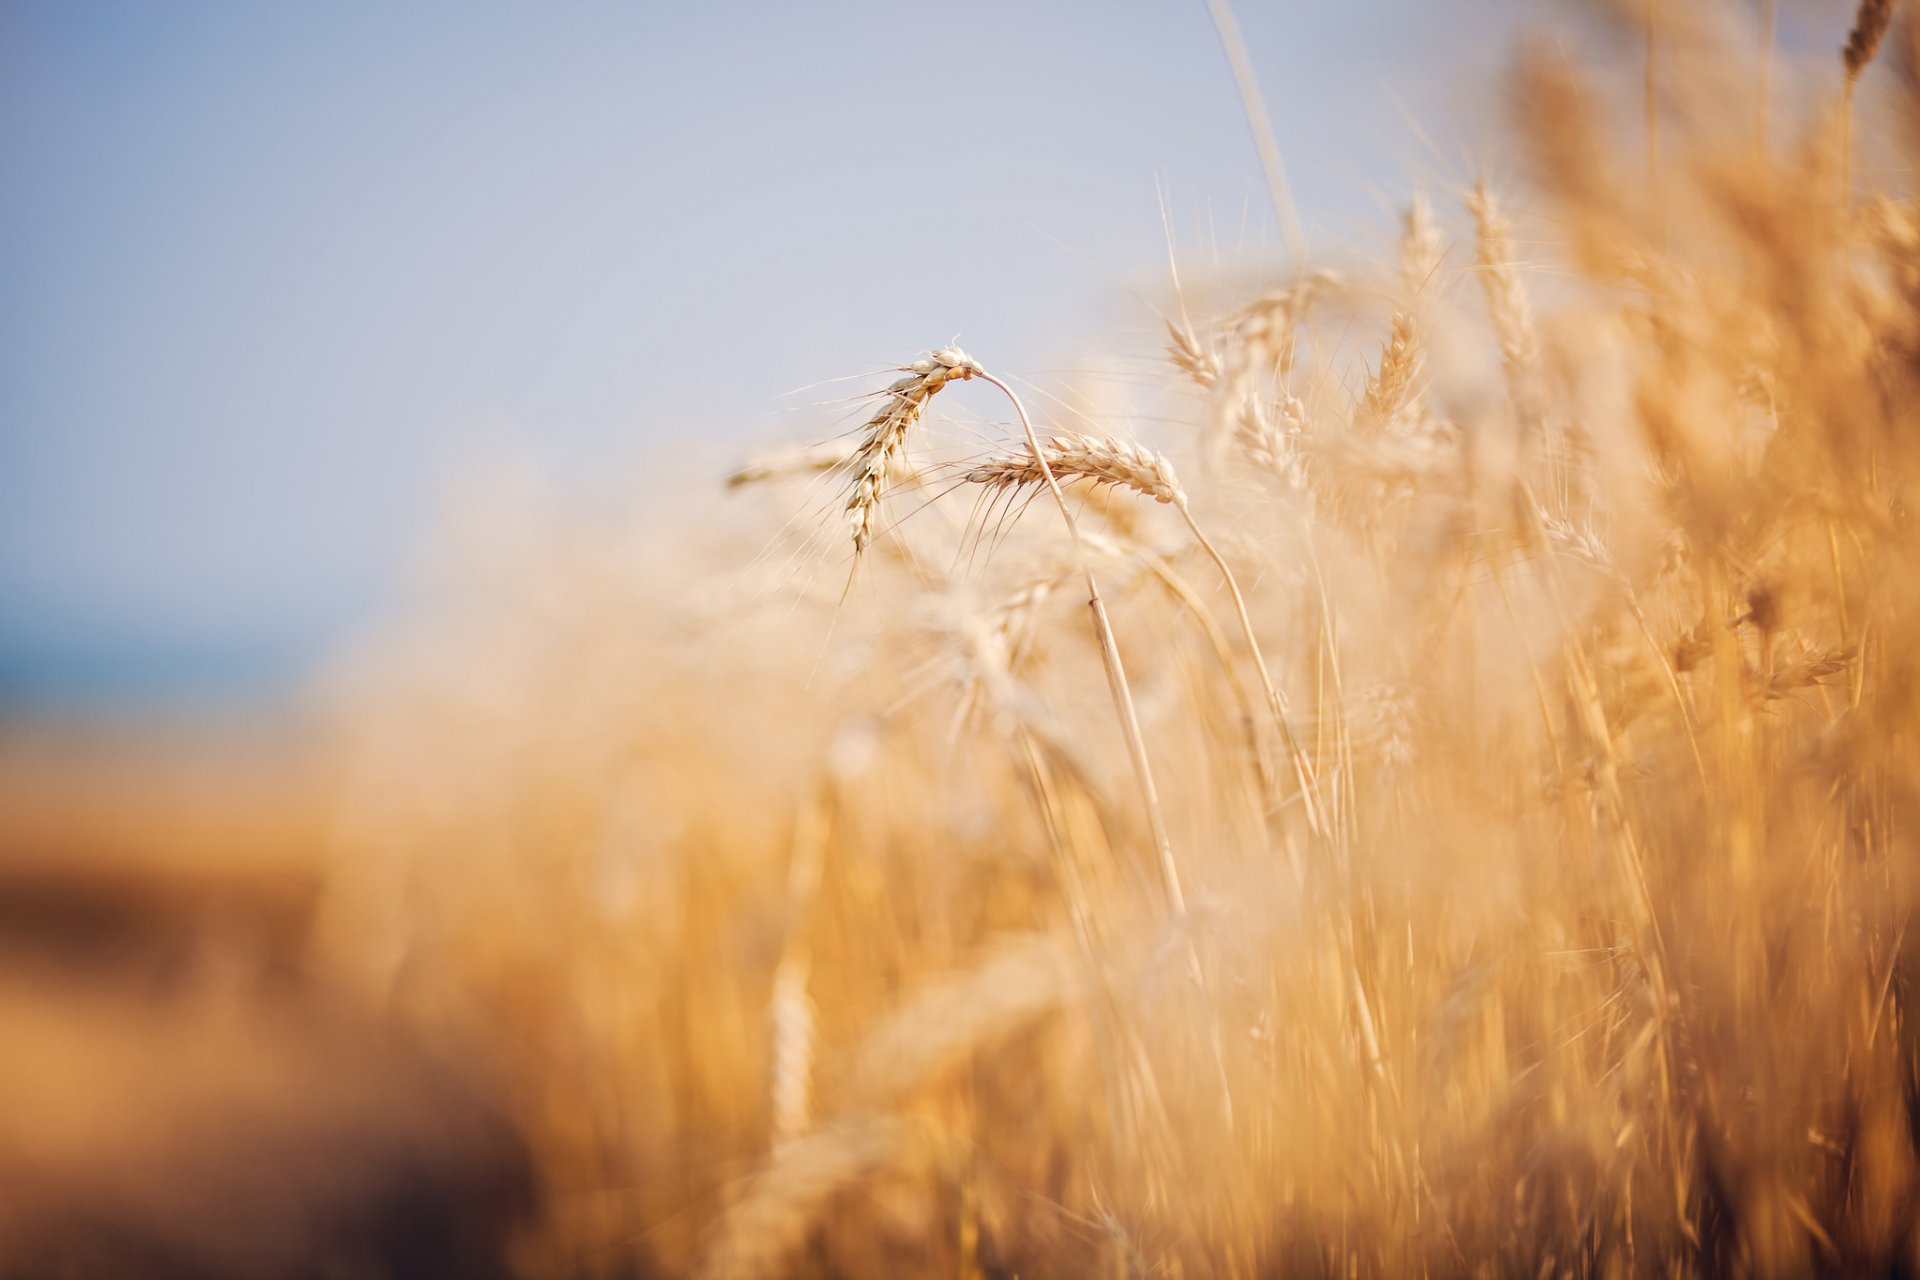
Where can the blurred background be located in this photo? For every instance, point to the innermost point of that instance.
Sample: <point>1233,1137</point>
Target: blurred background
<point>272,276</point>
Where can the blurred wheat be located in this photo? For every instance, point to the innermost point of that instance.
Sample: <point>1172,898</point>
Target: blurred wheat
<point>1577,944</point>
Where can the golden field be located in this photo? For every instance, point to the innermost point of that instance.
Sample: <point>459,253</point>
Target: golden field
<point>1475,834</point>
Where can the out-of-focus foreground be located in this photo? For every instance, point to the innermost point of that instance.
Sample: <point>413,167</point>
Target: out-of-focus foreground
<point>1550,915</point>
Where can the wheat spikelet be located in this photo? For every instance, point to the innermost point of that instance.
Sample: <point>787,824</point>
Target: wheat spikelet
<point>1072,456</point>
<point>886,433</point>
<point>1870,23</point>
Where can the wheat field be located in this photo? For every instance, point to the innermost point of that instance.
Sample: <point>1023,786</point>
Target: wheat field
<point>1426,788</point>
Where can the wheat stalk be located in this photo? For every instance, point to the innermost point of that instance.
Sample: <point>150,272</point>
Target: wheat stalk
<point>886,433</point>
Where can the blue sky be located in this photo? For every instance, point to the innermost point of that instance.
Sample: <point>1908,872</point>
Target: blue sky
<point>271,273</point>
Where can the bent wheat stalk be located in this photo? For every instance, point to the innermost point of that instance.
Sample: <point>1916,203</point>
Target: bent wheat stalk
<point>1105,460</point>
<point>1110,654</point>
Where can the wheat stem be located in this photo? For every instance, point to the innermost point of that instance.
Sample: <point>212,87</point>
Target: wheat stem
<point>1302,765</point>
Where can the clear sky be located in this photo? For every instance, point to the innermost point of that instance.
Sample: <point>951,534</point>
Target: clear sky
<point>270,272</point>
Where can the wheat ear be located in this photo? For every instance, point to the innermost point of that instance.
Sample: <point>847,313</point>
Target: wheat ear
<point>886,433</point>
<point>1073,456</point>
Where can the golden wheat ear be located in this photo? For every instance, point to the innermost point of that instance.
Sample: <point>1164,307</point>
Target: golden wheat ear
<point>886,434</point>
<point>1073,456</point>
